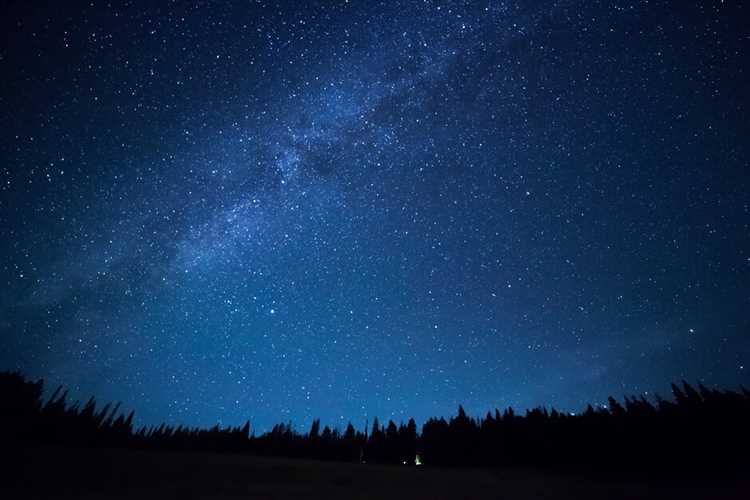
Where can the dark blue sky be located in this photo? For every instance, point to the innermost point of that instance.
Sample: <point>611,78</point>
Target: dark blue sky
<point>215,211</point>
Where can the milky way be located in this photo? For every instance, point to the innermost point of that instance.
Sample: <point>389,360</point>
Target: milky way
<point>215,211</point>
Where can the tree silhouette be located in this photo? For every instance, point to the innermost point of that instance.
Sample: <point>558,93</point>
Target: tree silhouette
<point>702,431</point>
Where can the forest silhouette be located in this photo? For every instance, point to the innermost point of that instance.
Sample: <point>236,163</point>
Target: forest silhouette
<point>701,430</point>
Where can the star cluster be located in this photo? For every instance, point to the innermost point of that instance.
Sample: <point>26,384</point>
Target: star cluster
<point>214,211</point>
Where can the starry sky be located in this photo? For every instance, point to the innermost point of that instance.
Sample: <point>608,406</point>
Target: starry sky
<point>217,211</point>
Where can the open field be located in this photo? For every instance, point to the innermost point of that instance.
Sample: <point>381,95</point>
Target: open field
<point>64,473</point>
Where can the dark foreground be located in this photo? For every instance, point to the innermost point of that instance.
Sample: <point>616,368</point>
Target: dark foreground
<point>65,473</point>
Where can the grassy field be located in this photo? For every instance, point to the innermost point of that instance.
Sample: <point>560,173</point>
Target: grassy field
<point>64,473</point>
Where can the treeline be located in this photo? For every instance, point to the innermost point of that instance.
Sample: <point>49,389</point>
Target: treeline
<point>701,430</point>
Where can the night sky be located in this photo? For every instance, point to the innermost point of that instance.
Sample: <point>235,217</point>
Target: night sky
<point>217,211</point>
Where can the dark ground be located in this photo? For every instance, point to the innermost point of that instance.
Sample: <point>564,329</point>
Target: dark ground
<point>66,473</point>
